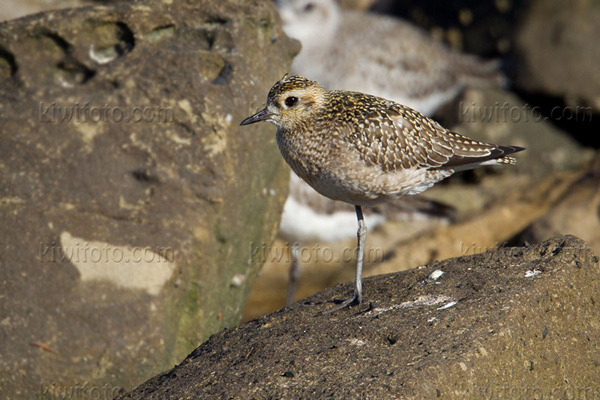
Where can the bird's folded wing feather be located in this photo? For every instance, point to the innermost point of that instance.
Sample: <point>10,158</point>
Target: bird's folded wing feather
<point>398,137</point>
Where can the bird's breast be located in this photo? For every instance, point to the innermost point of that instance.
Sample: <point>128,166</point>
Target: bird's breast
<point>306,153</point>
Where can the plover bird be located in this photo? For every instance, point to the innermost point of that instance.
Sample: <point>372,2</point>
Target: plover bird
<point>381,55</point>
<point>365,150</point>
<point>375,54</point>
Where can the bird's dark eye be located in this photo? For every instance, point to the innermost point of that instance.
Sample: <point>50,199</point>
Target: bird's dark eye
<point>309,7</point>
<point>291,101</point>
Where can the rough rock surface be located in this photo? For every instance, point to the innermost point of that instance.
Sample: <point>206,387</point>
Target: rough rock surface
<point>523,320</point>
<point>129,197</point>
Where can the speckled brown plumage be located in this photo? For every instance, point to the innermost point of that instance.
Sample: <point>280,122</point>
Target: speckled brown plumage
<point>363,149</point>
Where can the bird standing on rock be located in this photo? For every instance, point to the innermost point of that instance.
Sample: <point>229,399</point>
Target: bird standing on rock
<point>376,54</point>
<point>365,150</point>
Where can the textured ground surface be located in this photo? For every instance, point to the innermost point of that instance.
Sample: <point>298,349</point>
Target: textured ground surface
<point>519,319</point>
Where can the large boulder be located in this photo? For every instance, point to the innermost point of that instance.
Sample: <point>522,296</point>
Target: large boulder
<point>508,323</point>
<point>130,199</point>
<point>558,48</point>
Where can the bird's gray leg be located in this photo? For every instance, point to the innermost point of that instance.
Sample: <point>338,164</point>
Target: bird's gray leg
<point>361,236</point>
<point>294,273</point>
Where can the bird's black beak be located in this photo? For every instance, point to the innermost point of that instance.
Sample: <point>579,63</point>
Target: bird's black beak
<point>262,115</point>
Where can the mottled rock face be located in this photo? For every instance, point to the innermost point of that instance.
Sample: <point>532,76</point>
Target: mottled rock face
<point>513,320</point>
<point>129,198</point>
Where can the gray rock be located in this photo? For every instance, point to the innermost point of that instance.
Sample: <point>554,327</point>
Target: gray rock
<point>130,201</point>
<point>515,320</point>
<point>559,50</point>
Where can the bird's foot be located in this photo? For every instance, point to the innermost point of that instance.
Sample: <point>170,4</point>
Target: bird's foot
<point>355,300</point>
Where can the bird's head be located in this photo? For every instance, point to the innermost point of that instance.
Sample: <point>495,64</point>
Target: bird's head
<point>309,21</point>
<point>293,101</point>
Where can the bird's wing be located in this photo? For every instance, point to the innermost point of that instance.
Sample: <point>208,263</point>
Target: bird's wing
<point>397,137</point>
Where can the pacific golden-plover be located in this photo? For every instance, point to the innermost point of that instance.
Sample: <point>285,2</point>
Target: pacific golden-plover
<point>365,150</point>
<point>381,55</point>
<point>358,51</point>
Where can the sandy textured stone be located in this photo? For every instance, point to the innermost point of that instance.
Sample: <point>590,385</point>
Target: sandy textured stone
<point>129,197</point>
<point>12,9</point>
<point>519,319</point>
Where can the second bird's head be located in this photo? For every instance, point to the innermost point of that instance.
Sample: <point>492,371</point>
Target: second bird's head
<point>312,22</point>
<point>293,101</point>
